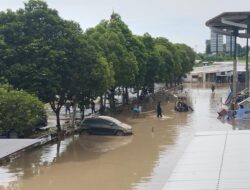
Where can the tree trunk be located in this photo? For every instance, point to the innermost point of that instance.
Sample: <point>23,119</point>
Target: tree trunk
<point>171,84</point>
<point>167,86</point>
<point>123,96</point>
<point>137,93</point>
<point>105,99</point>
<point>58,125</point>
<point>101,101</point>
<point>56,108</point>
<point>179,80</point>
<point>112,99</point>
<point>126,95</point>
<point>82,114</point>
<point>58,145</point>
<point>74,115</point>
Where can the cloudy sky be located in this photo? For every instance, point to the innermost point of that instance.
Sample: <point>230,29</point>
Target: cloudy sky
<point>181,21</point>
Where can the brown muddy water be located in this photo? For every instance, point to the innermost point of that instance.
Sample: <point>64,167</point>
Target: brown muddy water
<point>139,162</point>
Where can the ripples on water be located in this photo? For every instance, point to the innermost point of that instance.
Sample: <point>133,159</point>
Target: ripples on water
<point>139,162</point>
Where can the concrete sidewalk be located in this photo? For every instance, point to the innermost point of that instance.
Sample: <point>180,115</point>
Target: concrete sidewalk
<point>12,146</point>
<point>214,161</point>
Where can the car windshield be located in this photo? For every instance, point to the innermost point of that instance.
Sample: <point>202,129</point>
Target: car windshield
<point>116,121</point>
<point>87,121</point>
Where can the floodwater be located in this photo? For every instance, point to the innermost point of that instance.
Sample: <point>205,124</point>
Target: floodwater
<point>139,162</point>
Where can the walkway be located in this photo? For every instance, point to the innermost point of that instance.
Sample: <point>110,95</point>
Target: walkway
<point>11,146</point>
<point>214,161</point>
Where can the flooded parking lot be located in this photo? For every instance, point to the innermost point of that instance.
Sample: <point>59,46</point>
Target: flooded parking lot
<point>139,162</point>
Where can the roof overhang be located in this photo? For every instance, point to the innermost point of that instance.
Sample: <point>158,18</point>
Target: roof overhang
<point>231,24</point>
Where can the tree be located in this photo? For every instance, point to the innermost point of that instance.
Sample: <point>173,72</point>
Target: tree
<point>114,41</point>
<point>168,66</point>
<point>34,37</point>
<point>52,58</point>
<point>140,52</point>
<point>92,77</point>
<point>186,59</point>
<point>49,56</point>
<point>152,61</point>
<point>19,110</point>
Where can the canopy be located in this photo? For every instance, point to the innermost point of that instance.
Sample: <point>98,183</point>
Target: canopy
<point>231,24</point>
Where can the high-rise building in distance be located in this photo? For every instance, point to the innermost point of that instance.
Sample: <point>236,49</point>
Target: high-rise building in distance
<point>208,46</point>
<point>229,45</point>
<point>216,43</point>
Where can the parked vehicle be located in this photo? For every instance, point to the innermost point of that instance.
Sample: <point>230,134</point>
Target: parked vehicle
<point>105,125</point>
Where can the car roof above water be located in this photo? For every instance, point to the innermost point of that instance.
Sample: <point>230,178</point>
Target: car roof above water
<point>111,119</point>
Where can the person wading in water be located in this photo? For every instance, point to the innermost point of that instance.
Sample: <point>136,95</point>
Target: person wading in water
<point>212,88</point>
<point>159,110</point>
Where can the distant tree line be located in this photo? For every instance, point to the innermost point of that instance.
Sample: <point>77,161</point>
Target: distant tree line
<point>56,60</point>
<point>202,57</point>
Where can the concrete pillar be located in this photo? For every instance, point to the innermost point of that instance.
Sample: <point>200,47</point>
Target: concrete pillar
<point>247,68</point>
<point>235,74</point>
<point>248,32</point>
<point>204,77</point>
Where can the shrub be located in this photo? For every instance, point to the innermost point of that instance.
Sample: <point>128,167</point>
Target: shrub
<point>18,110</point>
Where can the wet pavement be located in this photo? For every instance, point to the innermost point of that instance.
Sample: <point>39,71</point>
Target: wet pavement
<point>217,160</point>
<point>143,161</point>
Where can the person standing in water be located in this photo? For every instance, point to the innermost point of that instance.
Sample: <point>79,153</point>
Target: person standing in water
<point>213,88</point>
<point>159,110</point>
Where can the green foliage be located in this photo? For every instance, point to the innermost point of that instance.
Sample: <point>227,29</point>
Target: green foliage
<point>54,59</point>
<point>152,61</point>
<point>18,109</point>
<point>49,56</point>
<point>114,41</point>
<point>187,57</point>
<point>169,63</point>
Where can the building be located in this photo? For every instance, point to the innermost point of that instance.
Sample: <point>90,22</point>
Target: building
<point>220,72</point>
<point>229,45</point>
<point>216,43</point>
<point>208,46</point>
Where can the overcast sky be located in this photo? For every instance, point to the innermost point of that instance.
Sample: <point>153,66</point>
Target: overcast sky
<point>181,21</point>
